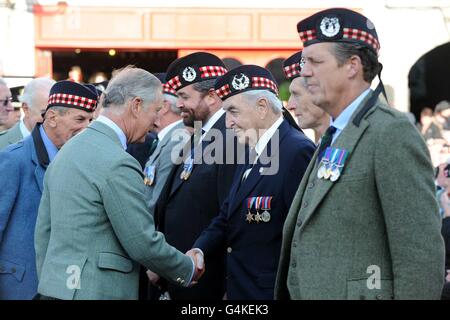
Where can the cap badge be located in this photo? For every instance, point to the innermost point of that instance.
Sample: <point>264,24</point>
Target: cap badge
<point>241,82</point>
<point>302,63</point>
<point>189,74</point>
<point>330,26</point>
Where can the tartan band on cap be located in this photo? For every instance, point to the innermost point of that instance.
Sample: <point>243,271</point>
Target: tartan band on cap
<point>260,82</point>
<point>72,100</point>
<point>245,78</point>
<point>168,89</point>
<point>292,70</point>
<point>212,71</point>
<point>307,35</point>
<point>361,36</point>
<point>223,91</point>
<point>174,83</point>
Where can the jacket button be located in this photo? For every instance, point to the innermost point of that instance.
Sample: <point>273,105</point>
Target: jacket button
<point>305,204</point>
<point>293,265</point>
<point>361,297</point>
<point>178,279</point>
<point>299,223</point>
<point>294,244</point>
<point>379,297</point>
<point>310,185</point>
<point>229,249</point>
<point>13,270</point>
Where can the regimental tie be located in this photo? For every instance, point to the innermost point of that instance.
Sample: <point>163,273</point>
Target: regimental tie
<point>325,142</point>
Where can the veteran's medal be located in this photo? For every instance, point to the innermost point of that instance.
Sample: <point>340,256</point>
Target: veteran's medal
<point>149,173</point>
<point>258,217</point>
<point>249,215</point>
<point>267,206</point>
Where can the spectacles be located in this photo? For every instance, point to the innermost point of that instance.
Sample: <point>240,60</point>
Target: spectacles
<point>5,101</point>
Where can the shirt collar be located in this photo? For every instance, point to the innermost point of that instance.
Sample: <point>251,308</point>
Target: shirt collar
<point>344,118</point>
<point>52,150</point>
<point>212,121</point>
<point>23,129</point>
<point>166,130</point>
<point>116,128</point>
<point>265,138</point>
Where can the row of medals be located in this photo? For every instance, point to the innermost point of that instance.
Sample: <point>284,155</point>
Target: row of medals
<point>329,170</point>
<point>264,217</point>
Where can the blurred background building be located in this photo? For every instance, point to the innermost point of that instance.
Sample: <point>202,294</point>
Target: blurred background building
<point>89,39</point>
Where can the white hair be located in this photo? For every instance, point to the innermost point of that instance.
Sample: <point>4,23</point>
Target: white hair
<point>33,88</point>
<point>173,103</point>
<point>129,83</point>
<point>253,96</point>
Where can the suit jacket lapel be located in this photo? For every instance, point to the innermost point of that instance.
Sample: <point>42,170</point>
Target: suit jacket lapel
<point>347,140</point>
<point>199,152</point>
<point>255,174</point>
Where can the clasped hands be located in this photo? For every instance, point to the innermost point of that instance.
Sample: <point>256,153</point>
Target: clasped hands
<point>197,256</point>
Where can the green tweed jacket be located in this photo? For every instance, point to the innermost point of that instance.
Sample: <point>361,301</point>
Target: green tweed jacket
<point>10,136</point>
<point>375,232</point>
<point>93,228</point>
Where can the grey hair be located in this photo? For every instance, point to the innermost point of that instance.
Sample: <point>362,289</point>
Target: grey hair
<point>173,103</point>
<point>274,102</point>
<point>33,88</point>
<point>369,60</point>
<point>61,110</point>
<point>131,82</point>
<point>204,86</point>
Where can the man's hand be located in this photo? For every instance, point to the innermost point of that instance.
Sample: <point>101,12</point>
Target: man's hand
<point>197,256</point>
<point>153,277</point>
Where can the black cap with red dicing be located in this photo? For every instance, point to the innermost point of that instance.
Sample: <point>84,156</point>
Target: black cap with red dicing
<point>245,78</point>
<point>165,87</point>
<point>195,67</point>
<point>293,65</point>
<point>71,94</point>
<point>338,25</point>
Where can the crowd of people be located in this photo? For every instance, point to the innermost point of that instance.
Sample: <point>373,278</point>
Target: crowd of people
<point>199,184</point>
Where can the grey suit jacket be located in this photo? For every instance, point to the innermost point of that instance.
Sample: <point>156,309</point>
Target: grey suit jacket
<point>10,136</point>
<point>378,222</point>
<point>161,159</point>
<point>93,228</point>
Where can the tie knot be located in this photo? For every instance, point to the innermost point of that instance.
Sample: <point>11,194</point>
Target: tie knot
<point>331,130</point>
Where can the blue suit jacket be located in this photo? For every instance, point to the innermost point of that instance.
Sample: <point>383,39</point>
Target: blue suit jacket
<point>253,249</point>
<point>21,178</point>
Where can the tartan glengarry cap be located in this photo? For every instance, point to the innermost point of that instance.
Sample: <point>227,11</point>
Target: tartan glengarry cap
<point>293,65</point>
<point>73,95</point>
<point>338,25</point>
<point>165,87</point>
<point>195,67</point>
<point>245,78</point>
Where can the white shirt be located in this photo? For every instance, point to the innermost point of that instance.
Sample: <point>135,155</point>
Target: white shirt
<point>263,141</point>
<point>23,129</point>
<point>164,131</point>
<point>344,118</point>
<point>212,121</point>
<point>116,128</point>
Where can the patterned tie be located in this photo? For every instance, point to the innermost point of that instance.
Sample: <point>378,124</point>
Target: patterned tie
<point>325,142</point>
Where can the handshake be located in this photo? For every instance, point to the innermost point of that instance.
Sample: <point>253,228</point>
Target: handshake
<point>199,267</point>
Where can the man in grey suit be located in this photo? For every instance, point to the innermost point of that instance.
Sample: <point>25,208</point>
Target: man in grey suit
<point>172,136</point>
<point>34,102</point>
<point>93,228</point>
<point>364,223</point>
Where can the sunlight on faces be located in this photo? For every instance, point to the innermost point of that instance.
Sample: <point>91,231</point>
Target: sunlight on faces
<point>243,118</point>
<point>34,114</point>
<point>147,115</point>
<point>308,114</point>
<point>68,124</point>
<point>324,78</point>
<point>4,110</point>
<point>192,105</point>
